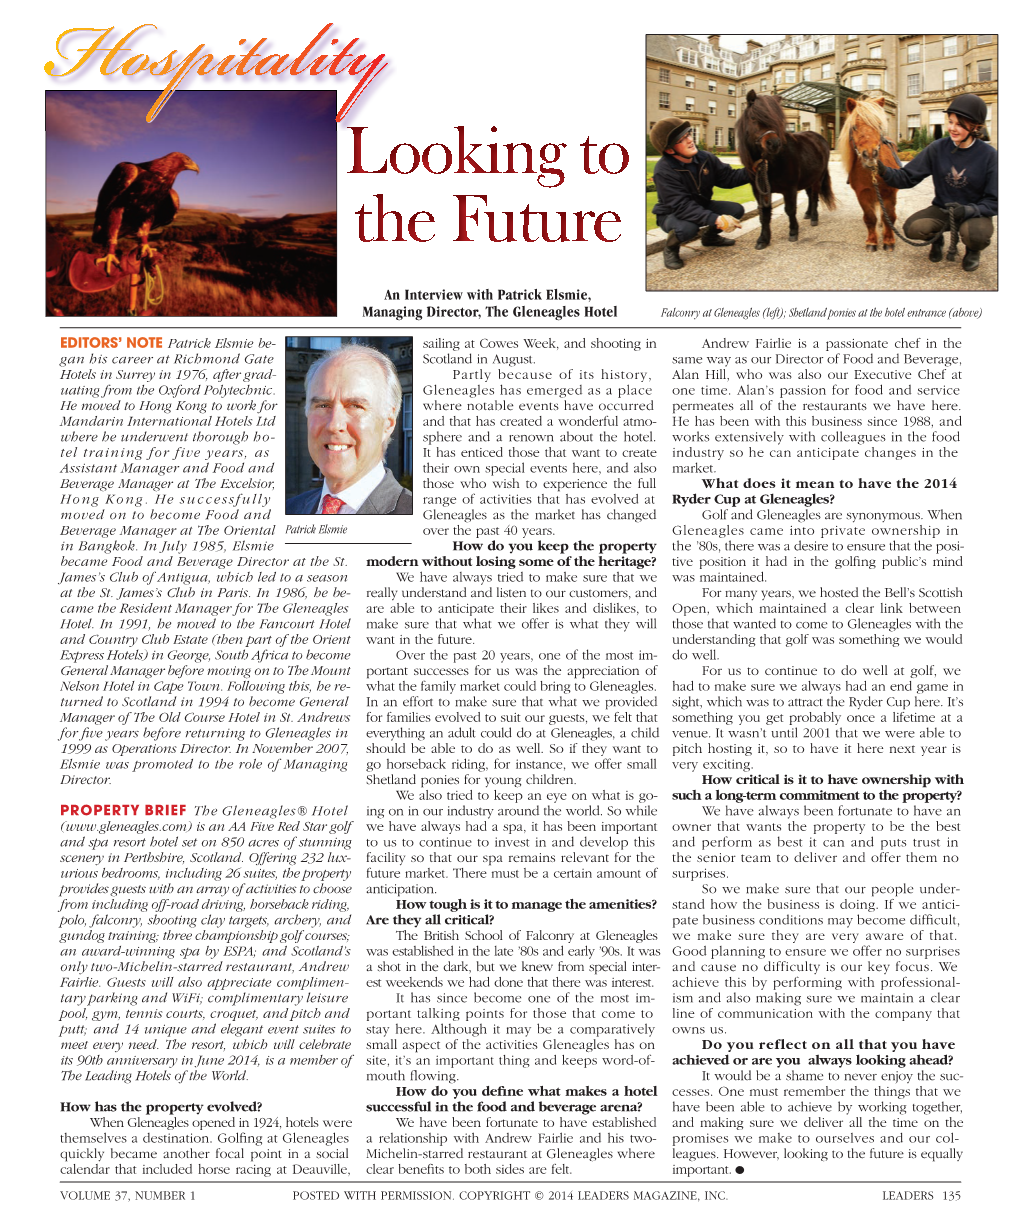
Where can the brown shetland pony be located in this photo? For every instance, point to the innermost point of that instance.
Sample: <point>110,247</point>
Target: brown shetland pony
<point>861,149</point>
<point>782,161</point>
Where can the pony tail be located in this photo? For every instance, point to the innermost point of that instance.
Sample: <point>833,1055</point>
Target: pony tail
<point>825,190</point>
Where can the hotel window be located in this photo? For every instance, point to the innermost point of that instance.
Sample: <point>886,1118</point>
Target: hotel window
<point>711,108</point>
<point>857,82</point>
<point>791,125</point>
<point>731,90</point>
<point>984,70</point>
<point>731,111</point>
<point>718,138</point>
<point>711,86</point>
<point>826,71</point>
<point>913,85</point>
<point>663,76</point>
<point>949,77</point>
<point>875,52</point>
<point>689,102</point>
<point>851,57</point>
<point>949,46</point>
<point>663,101</point>
<point>689,82</point>
<point>913,123</point>
<point>914,53</point>
<point>874,80</point>
<point>826,43</point>
<point>806,75</point>
<point>765,83</point>
<point>850,37</point>
<point>985,38</point>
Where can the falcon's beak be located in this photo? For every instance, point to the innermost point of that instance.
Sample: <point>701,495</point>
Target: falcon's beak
<point>190,165</point>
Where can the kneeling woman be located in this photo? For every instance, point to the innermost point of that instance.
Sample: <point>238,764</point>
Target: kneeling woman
<point>964,170</point>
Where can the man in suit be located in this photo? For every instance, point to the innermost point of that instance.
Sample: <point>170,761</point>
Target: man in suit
<point>352,400</point>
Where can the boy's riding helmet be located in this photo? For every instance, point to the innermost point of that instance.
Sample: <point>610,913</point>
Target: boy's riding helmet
<point>667,133</point>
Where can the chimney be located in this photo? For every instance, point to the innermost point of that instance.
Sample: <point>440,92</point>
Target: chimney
<point>714,40</point>
<point>753,46</point>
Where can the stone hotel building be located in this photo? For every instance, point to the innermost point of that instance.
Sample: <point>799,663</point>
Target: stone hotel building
<point>814,74</point>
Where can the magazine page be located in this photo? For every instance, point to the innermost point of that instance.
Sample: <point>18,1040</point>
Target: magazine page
<point>623,824</point>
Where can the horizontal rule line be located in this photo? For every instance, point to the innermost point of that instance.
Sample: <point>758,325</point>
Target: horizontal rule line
<point>360,329</point>
<point>377,1182</point>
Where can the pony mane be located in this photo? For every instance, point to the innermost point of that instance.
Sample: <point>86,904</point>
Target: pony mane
<point>866,113</point>
<point>767,113</point>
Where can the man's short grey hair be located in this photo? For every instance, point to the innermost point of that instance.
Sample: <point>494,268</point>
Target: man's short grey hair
<point>362,352</point>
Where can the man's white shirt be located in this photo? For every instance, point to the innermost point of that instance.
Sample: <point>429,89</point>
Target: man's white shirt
<point>355,496</point>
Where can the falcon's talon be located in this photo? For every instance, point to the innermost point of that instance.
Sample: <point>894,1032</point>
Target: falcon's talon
<point>108,260</point>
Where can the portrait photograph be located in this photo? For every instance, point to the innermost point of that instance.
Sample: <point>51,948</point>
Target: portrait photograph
<point>349,425</point>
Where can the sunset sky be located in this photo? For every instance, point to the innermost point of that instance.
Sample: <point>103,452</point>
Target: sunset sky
<point>261,153</point>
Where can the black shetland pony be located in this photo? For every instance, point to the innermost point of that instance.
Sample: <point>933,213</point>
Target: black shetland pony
<point>782,161</point>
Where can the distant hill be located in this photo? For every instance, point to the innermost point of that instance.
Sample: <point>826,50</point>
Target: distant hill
<point>195,216</point>
<point>300,223</point>
<point>189,217</point>
<point>186,217</point>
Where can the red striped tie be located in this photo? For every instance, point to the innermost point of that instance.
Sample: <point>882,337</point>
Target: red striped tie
<point>331,504</point>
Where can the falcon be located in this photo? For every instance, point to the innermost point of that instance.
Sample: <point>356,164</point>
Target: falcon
<point>136,198</point>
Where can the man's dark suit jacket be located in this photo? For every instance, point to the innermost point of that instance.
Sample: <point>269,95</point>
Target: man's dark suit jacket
<point>387,497</point>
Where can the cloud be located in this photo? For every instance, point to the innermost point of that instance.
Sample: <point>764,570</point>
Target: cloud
<point>217,114</point>
<point>265,195</point>
<point>96,123</point>
<point>204,206</point>
<point>99,120</point>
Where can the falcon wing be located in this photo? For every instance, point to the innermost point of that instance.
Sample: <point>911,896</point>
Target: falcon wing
<point>166,209</point>
<point>120,178</point>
